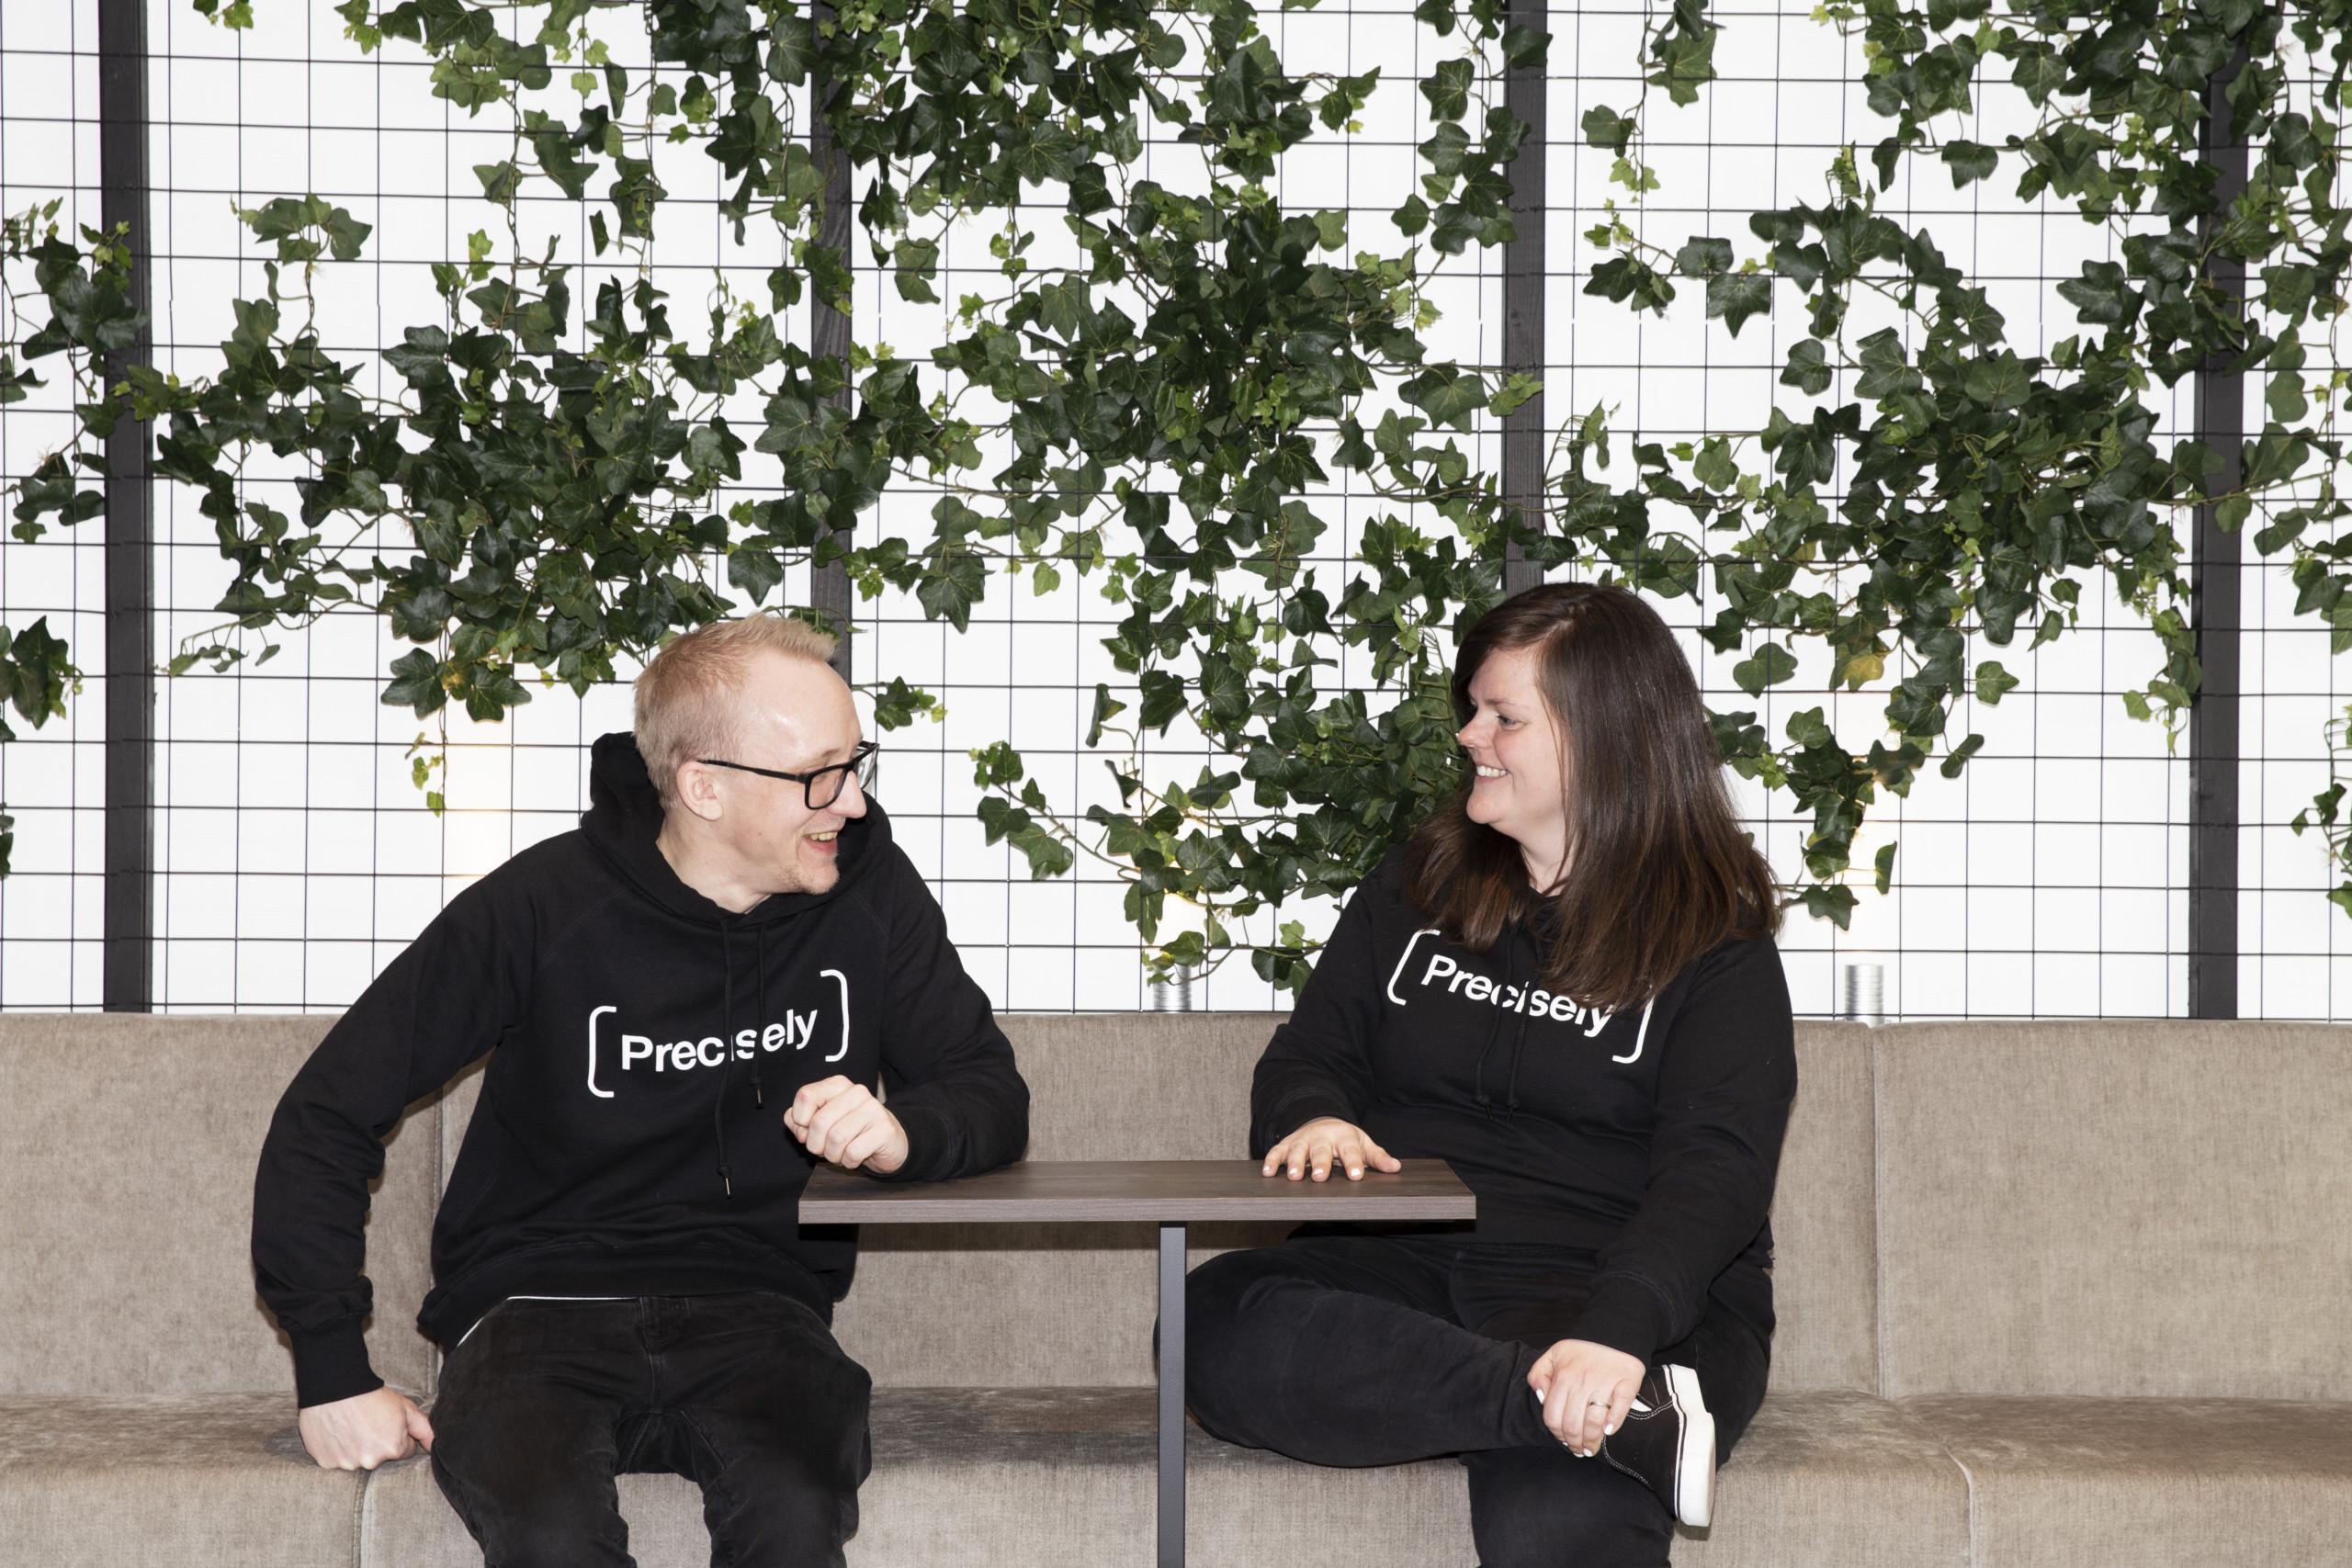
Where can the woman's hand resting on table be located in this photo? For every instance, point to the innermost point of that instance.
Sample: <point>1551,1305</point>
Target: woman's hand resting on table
<point>1327,1140</point>
<point>1586,1389</point>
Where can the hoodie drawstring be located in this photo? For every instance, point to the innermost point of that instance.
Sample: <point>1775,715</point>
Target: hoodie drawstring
<point>726,1033</point>
<point>1518,1041</point>
<point>726,1060</point>
<point>759,1018</point>
<point>1495,1024</point>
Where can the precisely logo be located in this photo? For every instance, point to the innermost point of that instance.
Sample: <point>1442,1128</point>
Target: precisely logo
<point>1532,1000</point>
<point>644,1053</point>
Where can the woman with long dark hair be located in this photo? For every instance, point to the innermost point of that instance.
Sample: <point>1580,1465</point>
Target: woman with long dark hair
<point>1564,985</point>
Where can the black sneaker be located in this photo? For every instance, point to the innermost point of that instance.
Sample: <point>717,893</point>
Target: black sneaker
<point>1667,1443</point>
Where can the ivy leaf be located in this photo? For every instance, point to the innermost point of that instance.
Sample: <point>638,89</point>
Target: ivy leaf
<point>1770,666</point>
<point>1447,394</point>
<point>1701,257</point>
<point>1606,128</point>
<point>1970,161</point>
<point>1713,466</point>
<point>949,594</point>
<point>913,263</point>
<point>2039,71</point>
<point>1526,49</point>
<point>754,570</point>
<point>1997,381</point>
<point>1105,707</point>
<point>1808,369</point>
<point>1833,902</point>
<point>2101,296</point>
<point>498,182</point>
<point>1810,729</point>
<point>1993,682</point>
<point>2284,398</point>
<point>417,684</point>
<point>1951,765</point>
<point>1448,89</point>
<point>1736,297</point>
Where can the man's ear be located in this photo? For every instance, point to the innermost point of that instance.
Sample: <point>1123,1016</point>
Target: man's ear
<point>697,791</point>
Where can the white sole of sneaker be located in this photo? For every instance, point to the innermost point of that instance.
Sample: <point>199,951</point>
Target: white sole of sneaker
<point>1694,1466</point>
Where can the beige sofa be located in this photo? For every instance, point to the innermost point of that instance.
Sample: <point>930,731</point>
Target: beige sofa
<point>2051,1296</point>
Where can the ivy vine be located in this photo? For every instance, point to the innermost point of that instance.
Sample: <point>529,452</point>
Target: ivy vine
<point>1159,417</point>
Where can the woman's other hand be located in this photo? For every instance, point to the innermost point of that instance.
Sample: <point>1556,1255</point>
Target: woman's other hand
<point>1586,1390</point>
<point>1327,1140</point>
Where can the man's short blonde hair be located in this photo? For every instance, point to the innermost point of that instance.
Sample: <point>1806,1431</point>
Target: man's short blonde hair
<point>686,705</point>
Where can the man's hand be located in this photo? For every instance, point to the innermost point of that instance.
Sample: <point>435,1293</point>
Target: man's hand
<point>1586,1390</point>
<point>363,1431</point>
<point>1324,1140</point>
<point>841,1121</point>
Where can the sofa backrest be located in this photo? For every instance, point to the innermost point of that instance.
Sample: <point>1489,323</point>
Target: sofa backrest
<point>127,1150</point>
<point>2115,1208</point>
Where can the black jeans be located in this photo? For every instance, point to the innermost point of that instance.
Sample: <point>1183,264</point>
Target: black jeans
<point>746,1394</point>
<point>1360,1349</point>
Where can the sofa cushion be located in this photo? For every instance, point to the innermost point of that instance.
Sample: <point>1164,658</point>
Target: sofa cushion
<point>1832,1480</point>
<point>1063,1478</point>
<point>2059,1481</point>
<point>2140,1208</point>
<point>168,1479</point>
<point>128,1143</point>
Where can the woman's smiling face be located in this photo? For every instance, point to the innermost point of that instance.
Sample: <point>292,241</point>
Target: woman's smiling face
<point>1515,749</point>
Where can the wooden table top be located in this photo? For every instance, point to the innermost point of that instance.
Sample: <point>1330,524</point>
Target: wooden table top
<point>1166,1191</point>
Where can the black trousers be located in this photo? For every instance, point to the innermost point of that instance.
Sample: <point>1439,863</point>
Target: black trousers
<point>1363,1350</point>
<point>746,1394</point>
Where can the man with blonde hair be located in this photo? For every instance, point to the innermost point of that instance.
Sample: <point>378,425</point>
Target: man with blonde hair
<point>695,995</point>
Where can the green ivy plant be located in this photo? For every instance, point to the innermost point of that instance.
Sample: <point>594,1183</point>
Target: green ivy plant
<point>1172,396</point>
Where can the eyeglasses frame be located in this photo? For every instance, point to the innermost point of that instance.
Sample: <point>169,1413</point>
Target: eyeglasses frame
<point>865,754</point>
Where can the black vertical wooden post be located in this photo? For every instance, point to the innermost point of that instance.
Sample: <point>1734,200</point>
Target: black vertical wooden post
<point>828,331</point>
<point>1524,94</point>
<point>127,984</point>
<point>2215,609</point>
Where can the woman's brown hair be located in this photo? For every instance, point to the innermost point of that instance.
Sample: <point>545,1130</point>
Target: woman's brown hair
<point>1658,868</point>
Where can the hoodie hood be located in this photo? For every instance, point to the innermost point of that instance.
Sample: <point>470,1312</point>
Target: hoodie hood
<point>624,818</point>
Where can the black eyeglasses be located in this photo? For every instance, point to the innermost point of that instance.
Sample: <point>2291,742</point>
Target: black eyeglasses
<point>824,786</point>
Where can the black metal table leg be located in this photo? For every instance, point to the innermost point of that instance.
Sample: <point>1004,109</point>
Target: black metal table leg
<point>1171,1397</point>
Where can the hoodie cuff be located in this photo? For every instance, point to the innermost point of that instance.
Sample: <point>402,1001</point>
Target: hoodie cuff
<point>931,1145</point>
<point>332,1364</point>
<point>1625,1314</point>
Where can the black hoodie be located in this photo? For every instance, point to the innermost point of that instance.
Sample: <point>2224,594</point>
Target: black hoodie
<point>1648,1138</point>
<point>620,1146</point>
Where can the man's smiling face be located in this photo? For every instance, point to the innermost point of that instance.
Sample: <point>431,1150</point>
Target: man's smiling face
<point>796,716</point>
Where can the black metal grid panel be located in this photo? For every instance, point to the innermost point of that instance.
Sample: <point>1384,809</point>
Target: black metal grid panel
<point>297,857</point>
<point>52,779</point>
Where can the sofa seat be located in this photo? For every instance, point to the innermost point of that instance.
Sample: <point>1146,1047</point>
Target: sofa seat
<point>1063,1478</point>
<point>1021,1478</point>
<point>2072,1481</point>
<point>168,1479</point>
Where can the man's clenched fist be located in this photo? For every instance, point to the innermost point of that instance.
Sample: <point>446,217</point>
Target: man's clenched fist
<point>843,1122</point>
<point>363,1431</point>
